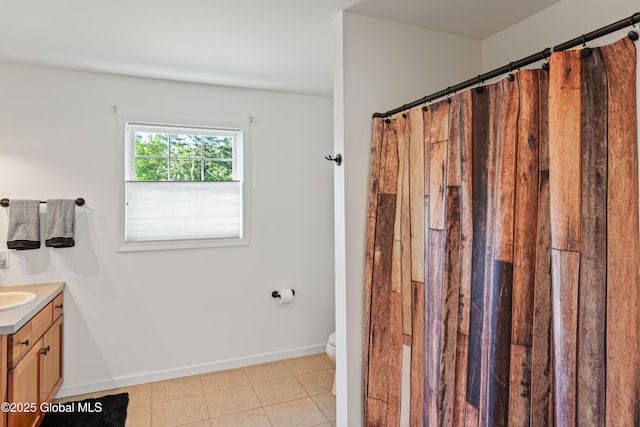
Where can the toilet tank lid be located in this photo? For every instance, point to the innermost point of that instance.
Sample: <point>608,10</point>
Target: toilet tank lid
<point>332,339</point>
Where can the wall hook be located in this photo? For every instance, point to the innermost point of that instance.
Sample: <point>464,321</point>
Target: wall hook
<point>337,159</point>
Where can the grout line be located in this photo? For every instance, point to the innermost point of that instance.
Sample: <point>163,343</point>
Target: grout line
<point>309,396</point>
<point>206,406</point>
<point>256,394</point>
<point>266,416</point>
<point>303,388</point>
<point>326,419</point>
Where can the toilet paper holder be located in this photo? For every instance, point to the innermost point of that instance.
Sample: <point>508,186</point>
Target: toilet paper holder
<point>276,294</point>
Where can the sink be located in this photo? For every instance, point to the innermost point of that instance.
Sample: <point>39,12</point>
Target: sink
<point>15,299</point>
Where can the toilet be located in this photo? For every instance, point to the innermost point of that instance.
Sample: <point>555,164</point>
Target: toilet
<point>331,353</point>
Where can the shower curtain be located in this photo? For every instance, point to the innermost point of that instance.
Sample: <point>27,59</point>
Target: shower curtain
<point>502,252</point>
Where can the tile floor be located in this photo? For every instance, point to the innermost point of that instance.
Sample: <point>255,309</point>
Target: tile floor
<point>293,392</point>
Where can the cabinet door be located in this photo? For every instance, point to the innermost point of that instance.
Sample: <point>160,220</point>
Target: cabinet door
<point>24,389</point>
<point>51,361</point>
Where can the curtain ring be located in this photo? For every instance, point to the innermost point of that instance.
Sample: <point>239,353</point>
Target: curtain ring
<point>510,76</point>
<point>633,35</point>
<point>479,89</point>
<point>546,54</point>
<point>586,51</point>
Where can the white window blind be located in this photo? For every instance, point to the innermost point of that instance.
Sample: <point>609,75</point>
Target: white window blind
<point>158,211</point>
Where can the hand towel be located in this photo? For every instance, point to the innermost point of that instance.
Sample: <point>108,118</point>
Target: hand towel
<point>24,225</point>
<point>60,219</point>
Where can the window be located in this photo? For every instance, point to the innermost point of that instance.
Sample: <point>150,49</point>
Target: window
<point>183,186</point>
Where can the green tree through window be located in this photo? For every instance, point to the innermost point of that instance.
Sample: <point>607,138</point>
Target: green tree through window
<point>183,157</point>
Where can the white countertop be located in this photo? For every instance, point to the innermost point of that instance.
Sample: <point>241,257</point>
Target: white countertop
<point>13,319</point>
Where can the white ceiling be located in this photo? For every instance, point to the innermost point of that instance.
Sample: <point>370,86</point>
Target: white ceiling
<point>284,45</point>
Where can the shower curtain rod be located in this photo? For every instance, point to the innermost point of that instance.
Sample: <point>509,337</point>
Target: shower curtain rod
<point>512,66</point>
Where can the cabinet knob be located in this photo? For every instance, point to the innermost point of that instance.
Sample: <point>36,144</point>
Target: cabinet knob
<point>59,306</point>
<point>45,350</point>
<point>25,342</point>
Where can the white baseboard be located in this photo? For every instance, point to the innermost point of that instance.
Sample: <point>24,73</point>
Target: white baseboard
<point>220,365</point>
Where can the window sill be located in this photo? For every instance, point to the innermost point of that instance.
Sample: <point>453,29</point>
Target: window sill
<point>166,245</point>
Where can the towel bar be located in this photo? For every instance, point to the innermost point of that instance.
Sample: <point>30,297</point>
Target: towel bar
<point>5,202</point>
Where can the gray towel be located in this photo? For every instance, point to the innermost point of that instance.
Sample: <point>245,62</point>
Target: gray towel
<point>24,225</point>
<point>60,219</point>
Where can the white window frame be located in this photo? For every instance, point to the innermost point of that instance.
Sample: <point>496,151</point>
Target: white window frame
<point>241,167</point>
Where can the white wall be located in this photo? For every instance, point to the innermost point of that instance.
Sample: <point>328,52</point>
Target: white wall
<point>384,65</point>
<point>137,317</point>
<point>561,22</point>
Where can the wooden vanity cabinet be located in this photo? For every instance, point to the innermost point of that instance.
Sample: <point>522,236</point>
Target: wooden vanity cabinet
<point>34,365</point>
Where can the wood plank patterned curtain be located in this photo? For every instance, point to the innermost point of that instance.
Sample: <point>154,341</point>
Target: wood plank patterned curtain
<point>503,256</point>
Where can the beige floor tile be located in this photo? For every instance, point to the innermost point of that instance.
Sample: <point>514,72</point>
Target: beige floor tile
<point>307,364</point>
<point>176,388</point>
<point>267,372</point>
<point>327,404</point>
<point>278,391</point>
<point>324,425</point>
<point>297,413</point>
<point>317,382</point>
<point>204,423</point>
<point>139,416</point>
<point>222,380</point>
<point>329,361</point>
<point>225,402</point>
<point>252,418</point>
<point>179,411</point>
<point>139,395</point>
